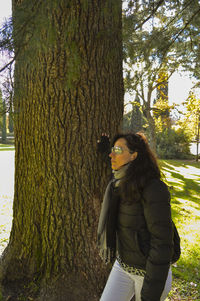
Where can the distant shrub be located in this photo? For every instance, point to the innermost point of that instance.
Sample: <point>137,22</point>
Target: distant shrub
<point>173,144</point>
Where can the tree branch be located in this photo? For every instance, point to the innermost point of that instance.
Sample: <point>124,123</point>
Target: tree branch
<point>151,15</point>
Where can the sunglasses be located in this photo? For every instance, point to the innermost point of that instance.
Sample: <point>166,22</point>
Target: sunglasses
<point>119,150</point>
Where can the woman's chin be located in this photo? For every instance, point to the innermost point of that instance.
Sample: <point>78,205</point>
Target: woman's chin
<point>114,167</point>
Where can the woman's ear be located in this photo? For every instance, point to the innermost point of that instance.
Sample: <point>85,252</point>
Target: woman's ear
<point>134,156</point>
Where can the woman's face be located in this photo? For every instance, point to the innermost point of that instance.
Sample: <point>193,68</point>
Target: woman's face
<point>120,154</point>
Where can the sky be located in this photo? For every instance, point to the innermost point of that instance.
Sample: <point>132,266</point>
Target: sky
<point>179,85</point>
<point>5,9</point>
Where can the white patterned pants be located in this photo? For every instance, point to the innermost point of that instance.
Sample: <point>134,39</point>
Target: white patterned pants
<point>122,286</point>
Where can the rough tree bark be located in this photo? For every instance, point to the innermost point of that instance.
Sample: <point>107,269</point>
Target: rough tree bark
<point>68,90</point>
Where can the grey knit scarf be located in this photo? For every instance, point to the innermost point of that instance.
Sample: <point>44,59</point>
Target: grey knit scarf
<point>106,232</point>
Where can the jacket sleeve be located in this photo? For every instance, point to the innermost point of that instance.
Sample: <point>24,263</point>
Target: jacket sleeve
<point>157,211</point>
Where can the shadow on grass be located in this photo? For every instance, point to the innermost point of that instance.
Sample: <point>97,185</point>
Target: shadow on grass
<point>184,184</point>
<point>189,191</point>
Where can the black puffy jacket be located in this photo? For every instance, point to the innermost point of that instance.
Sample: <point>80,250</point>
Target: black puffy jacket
<point>145,237</point>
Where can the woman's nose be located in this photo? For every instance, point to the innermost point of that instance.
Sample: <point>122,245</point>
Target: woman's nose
<point>111,154</point>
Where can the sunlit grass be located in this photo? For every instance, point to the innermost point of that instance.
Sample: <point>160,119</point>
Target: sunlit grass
<point>6,147</point>
<point>183,178</point>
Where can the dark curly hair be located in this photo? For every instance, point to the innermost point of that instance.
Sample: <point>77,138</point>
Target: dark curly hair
<point>141,170</point>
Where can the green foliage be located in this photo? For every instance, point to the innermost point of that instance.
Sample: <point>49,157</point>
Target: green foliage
<point>157,31</point>
<point>191,118</point>
<point>173,144</point>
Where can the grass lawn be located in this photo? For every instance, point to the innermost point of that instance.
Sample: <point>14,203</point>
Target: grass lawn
<point>183,178</point>
<point>6,147</point>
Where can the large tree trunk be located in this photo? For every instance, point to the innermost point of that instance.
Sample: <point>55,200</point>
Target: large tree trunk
<point>68,90</point>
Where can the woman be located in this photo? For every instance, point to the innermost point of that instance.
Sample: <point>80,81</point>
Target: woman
<point>135,229</point>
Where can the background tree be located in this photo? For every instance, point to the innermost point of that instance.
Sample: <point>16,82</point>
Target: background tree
<point>6,70</point>
<point>144,61</point>
<point>158,35</point>
<point>10,120</point>
<point>3,118</point>
<point>68,89</point>
<point>8,89</point>
<point>162,109</point>
<point>134,120</point>
<point>4,127</point>
<point>137,121</point>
